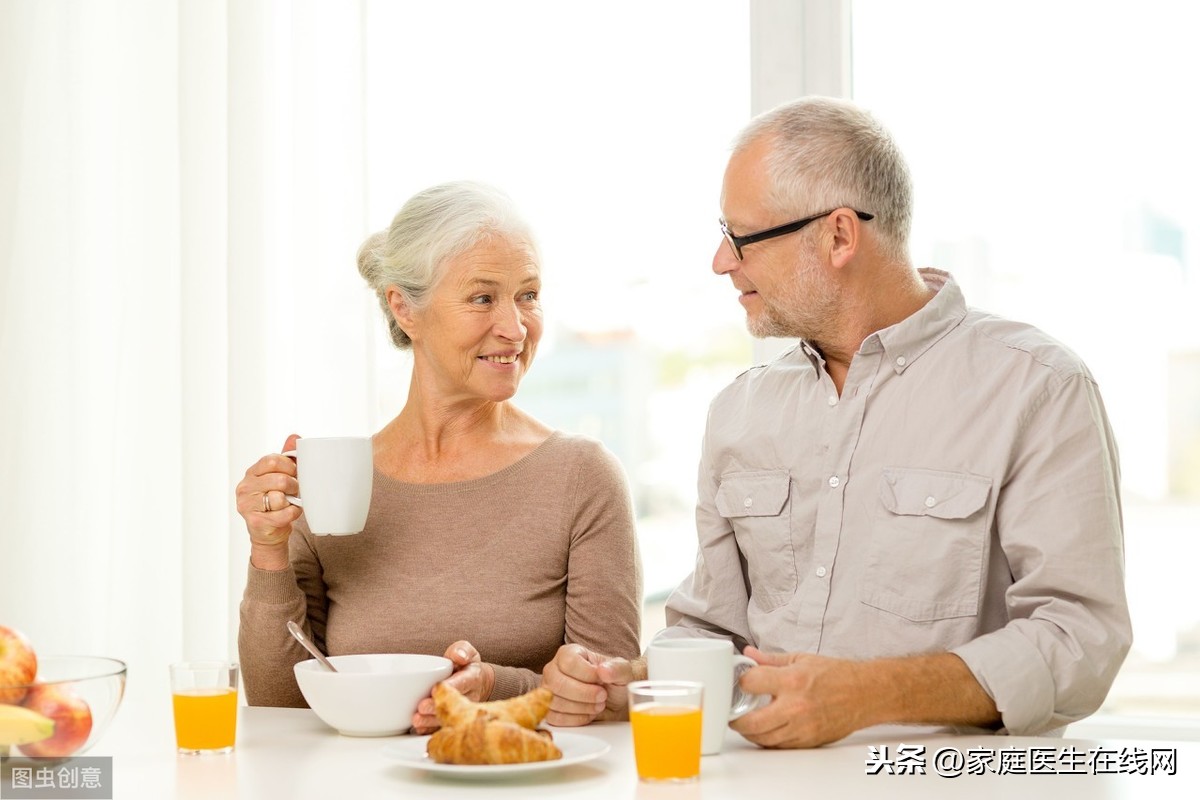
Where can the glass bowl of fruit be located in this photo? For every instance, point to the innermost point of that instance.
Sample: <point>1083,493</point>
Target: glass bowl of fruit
<point>63,709</point>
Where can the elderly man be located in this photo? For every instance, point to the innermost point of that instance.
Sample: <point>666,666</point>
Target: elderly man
<point>913,515</point>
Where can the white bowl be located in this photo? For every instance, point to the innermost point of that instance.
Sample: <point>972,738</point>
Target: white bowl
<point>371,694</point>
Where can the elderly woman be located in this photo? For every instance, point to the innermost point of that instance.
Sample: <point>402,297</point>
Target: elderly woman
<point>491,537</point>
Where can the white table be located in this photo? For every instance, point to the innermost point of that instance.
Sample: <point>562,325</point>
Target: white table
<point>289,754</point>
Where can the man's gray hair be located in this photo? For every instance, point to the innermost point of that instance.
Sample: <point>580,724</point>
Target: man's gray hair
<point>434,226</point>
<point>826,153</point>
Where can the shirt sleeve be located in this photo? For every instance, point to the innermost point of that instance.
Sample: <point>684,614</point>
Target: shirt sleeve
<point>267,652</point>
<point>714,599</point>
<point>1058,521</point>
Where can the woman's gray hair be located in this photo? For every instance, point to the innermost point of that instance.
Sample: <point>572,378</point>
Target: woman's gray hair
<point>826,153</point>
<point>434,226</point>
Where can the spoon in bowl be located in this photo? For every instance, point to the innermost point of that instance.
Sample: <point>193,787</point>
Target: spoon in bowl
<point>309,646</point>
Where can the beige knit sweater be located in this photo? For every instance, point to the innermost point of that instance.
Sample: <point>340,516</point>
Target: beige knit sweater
<point>518,562</point>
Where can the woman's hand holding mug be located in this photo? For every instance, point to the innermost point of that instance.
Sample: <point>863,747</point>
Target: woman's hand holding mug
<point>262,502</point>
<point>336,472</point>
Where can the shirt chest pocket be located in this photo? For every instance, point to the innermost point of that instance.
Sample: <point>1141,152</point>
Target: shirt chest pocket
<point>928,545</point>
<point>756,505</point>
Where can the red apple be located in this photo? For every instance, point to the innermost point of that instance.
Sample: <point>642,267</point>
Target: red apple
<point>72,720</point>
<point>18,665</point>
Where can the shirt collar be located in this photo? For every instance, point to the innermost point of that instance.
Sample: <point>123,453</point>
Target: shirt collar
<point>908,339</point>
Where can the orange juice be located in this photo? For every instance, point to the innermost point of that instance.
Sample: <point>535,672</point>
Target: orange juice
<point>666,741</point>
<point>205,719</point>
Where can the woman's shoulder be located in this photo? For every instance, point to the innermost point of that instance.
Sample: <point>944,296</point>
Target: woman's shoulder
<point>579,445</point>
<point>588,454</point>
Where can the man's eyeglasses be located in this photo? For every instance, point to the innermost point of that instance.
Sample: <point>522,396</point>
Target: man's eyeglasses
<point>736,243</point>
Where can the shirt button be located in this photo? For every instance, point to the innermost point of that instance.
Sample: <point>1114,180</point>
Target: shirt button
<point>833,399</point>
<point>749,501</point>
<point>821,572</point>
<point>901,361</point>
<point>930,502</point>
<point>834,482</point>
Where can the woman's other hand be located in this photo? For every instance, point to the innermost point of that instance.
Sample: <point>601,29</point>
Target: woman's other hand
<point>589,686</point>
<point>262,503</point>
<point>471,677</point>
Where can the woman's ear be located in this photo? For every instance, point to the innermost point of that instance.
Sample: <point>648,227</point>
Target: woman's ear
<point>401,309</point>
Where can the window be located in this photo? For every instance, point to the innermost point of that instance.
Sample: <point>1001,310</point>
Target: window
<point>625,117</point>
<point>1054,160</point>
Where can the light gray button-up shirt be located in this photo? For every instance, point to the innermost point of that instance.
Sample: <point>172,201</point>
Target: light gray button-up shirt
<point>961,494</point>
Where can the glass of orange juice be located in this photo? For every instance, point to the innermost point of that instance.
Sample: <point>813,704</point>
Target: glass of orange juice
<point>665,716</point>
<point>204,697</point>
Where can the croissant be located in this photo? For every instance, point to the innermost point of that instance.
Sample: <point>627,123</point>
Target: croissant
<point>484,741</point>
<point>526,710</point>
<point>497,732</point>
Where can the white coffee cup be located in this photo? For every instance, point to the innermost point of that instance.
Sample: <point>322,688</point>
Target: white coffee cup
<point>335,475</point>
<point>713,663</point>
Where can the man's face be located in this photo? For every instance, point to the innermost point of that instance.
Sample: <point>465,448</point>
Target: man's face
<point>780,280</point>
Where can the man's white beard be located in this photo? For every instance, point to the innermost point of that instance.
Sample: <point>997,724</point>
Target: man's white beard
<point>804,309</point>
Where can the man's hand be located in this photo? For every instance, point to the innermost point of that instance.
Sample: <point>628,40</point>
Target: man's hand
<point>588,686</point>
<point>816,699</point>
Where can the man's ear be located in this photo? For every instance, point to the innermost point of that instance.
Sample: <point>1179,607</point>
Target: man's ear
<point>401,309</point>
<point>846,239</point>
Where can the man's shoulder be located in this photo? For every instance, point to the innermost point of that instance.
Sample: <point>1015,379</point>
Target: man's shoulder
<point>780,373</point>
<point>1021,341</point>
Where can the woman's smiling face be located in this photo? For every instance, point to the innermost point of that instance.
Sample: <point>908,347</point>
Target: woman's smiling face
<point>478,333</point>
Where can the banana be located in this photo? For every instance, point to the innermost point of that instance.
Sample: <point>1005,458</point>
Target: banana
<point>20,725</point>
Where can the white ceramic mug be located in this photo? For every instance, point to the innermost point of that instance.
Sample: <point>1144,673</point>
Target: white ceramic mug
<point>335,475</point>
<point>713,663</point>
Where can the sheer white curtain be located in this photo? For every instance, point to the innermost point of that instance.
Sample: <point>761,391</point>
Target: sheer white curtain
<point>181,193</point>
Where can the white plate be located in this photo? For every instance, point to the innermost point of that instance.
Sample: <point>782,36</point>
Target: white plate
<point>576,748</point>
